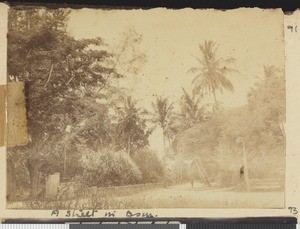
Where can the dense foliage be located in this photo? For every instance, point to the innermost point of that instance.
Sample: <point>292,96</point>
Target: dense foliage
<point>151,166</point>
<point>82,124</point>
<point>107,168</point>
<point>260,124</point>
<point>70,93</point>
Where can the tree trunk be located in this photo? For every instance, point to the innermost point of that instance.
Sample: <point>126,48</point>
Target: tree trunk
<point>129,146</point>
<point>33,170</point>
<point>11,180</point>
<point>215,99</point>
<point>66,140</point>
<point>169,141</point>
<point>34,179</point>
<point>164,140</point>
<point>65,163</point>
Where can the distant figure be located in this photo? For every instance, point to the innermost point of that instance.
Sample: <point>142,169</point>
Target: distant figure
<point>192,182</point>
<point>242,172</point>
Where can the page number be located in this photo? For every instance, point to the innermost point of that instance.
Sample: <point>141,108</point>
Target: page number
<point>293,210</point>
<point>293,28</point>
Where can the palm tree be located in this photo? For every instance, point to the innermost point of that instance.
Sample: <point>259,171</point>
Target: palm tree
<point>212,72</point>
<point>131,126</point>
<point>163,116</point>
<point>191,112</point>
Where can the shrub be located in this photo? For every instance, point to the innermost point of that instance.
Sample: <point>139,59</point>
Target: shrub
<point>177,170</point>
<point>267,167</point>
<point>108,168</point>
<point>228,178</point>
<point>151,166</point>
<point>226,166</point>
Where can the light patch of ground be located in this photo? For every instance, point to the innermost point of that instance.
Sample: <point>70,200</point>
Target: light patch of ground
<point>184,196</point>
<point>177,196</point>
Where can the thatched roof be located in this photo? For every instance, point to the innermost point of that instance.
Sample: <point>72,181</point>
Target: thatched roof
<point>205,133</point>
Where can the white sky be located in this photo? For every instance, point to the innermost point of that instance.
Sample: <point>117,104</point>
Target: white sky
<point>170,38</point>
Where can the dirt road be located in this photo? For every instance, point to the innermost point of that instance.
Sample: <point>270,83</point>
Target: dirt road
<point>183,196</point>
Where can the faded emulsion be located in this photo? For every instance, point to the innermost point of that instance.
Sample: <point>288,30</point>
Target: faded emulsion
<point>158,113</point>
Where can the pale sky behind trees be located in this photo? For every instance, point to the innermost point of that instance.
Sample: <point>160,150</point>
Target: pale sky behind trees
<point>170,37</point>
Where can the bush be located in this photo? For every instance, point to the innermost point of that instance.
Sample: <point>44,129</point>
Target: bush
<point>108,168</point>
<point>151,166</point>
<point>177,170</point>
<point>268,167</point>
<point>226,163</point>
<point>228,178</point>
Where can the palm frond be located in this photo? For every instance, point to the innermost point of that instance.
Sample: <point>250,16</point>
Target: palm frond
<point>170,107</point>
<point>198,59</point>
<point>226,70</point>
<point>226,83</point>
<point>193,70</point>
<point>196,78</point>
<point>229,60</point>
<point>217,63</point>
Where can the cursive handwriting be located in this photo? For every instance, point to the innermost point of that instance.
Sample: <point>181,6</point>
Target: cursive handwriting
<point>140,214</point>
<point>76,213</point>
<point>91,213</point>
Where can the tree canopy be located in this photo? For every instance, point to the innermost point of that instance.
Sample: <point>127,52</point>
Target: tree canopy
<point>69,90</point>
<point>259,123</point>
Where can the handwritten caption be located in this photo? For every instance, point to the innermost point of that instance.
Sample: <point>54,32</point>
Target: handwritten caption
<point>92,213</point>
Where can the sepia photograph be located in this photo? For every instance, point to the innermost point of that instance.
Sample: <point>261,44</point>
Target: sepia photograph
<point>148,109</point>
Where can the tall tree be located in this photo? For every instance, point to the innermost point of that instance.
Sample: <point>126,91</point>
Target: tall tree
<point>131,127</point>
<point>191,111</point>
<point>211,74</point>
<point>164,117</point>
<point>62,76</point>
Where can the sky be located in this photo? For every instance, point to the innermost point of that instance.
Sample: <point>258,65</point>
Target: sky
<point>171,38</point>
